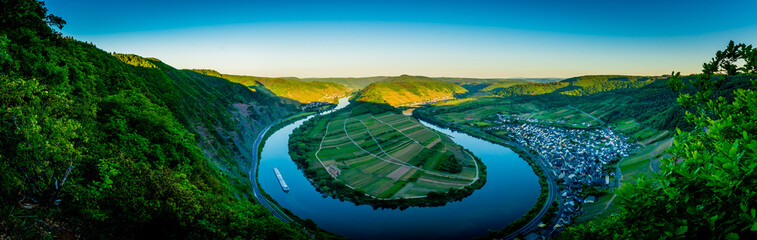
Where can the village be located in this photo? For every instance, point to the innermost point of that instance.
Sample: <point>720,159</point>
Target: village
<point>315,106</point>
<point>428,101</point>
<point>578,158</point>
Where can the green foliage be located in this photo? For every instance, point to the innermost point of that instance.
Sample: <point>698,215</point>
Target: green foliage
<point>724,61</point>
<point>449,164</point>
<point>209,72</point>
<point>360,108</point>
<point>94,147</point>
<point>134,60</point>
<point>706,190</point>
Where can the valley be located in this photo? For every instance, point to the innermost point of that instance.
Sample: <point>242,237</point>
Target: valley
<point>97,144</point>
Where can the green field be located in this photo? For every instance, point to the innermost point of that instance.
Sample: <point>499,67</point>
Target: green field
<point>478,111</point>
<point>388,155</point>
<point>601,207</point>
<point>644,161</point>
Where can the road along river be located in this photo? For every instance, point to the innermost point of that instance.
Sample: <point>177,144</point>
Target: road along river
<point>511,190</point>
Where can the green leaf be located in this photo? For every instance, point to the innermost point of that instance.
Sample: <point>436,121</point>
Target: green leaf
<point>754,226</point>
<point>682,230</point>
<point>713,219</point>
<point>732,236</point>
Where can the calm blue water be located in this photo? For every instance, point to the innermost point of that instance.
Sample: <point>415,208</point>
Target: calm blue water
<point>511,190</point>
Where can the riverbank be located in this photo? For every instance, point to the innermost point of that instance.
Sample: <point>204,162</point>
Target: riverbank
<point>548,186</point>
<point>269,202</point>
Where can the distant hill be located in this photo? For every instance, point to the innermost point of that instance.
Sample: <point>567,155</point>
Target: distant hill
<point>409,90</point>
<point>471,84</point>
<point>353,83</point>
<point>495,85</point>
<point>482,86</point>
<point>301,91</point>
<point>578,86</point>
<point>541,80</point>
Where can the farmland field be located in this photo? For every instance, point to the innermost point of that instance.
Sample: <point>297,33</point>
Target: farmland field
<point>388,155</point>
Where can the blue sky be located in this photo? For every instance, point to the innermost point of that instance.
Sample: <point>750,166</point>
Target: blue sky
<point>432,38</point>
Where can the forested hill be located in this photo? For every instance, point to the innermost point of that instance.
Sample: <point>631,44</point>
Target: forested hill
<point>301,91</point>
<point>93,147</point>
<point>224,117</point>
<point>353,83</point>
<point>470,84</point>
<point>578,86</point>
<point>488,84</point>
<point>408,90</point>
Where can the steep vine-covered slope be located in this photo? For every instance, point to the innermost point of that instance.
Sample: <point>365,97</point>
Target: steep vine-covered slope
<point>578,86</point>
<point>92,147</point>
<point>408,90</point>
<point>354,83</point>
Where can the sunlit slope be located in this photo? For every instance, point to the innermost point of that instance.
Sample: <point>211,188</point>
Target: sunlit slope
<point>578,86</point>
<point>354,83</point>
<point>409,90</point>
<point>301,91</point>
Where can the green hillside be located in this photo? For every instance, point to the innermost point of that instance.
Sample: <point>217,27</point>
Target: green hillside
<point>530,89</point>
<point>471,84</point>
<point>503,84</point>
<point>578,86</point>
<point>225,117</point>
<point>489,84</point>
<point>408,90</point>
<point>96,148</point>
<point>482,86</point>
<point>301,91</point>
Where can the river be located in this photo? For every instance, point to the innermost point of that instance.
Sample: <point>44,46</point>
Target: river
<point>511,190</point>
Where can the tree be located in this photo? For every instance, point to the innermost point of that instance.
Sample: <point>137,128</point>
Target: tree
<point>707,189</point>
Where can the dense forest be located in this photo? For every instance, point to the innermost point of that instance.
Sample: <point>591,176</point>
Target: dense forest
<point>97,145</point>
<point>706,189</point>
